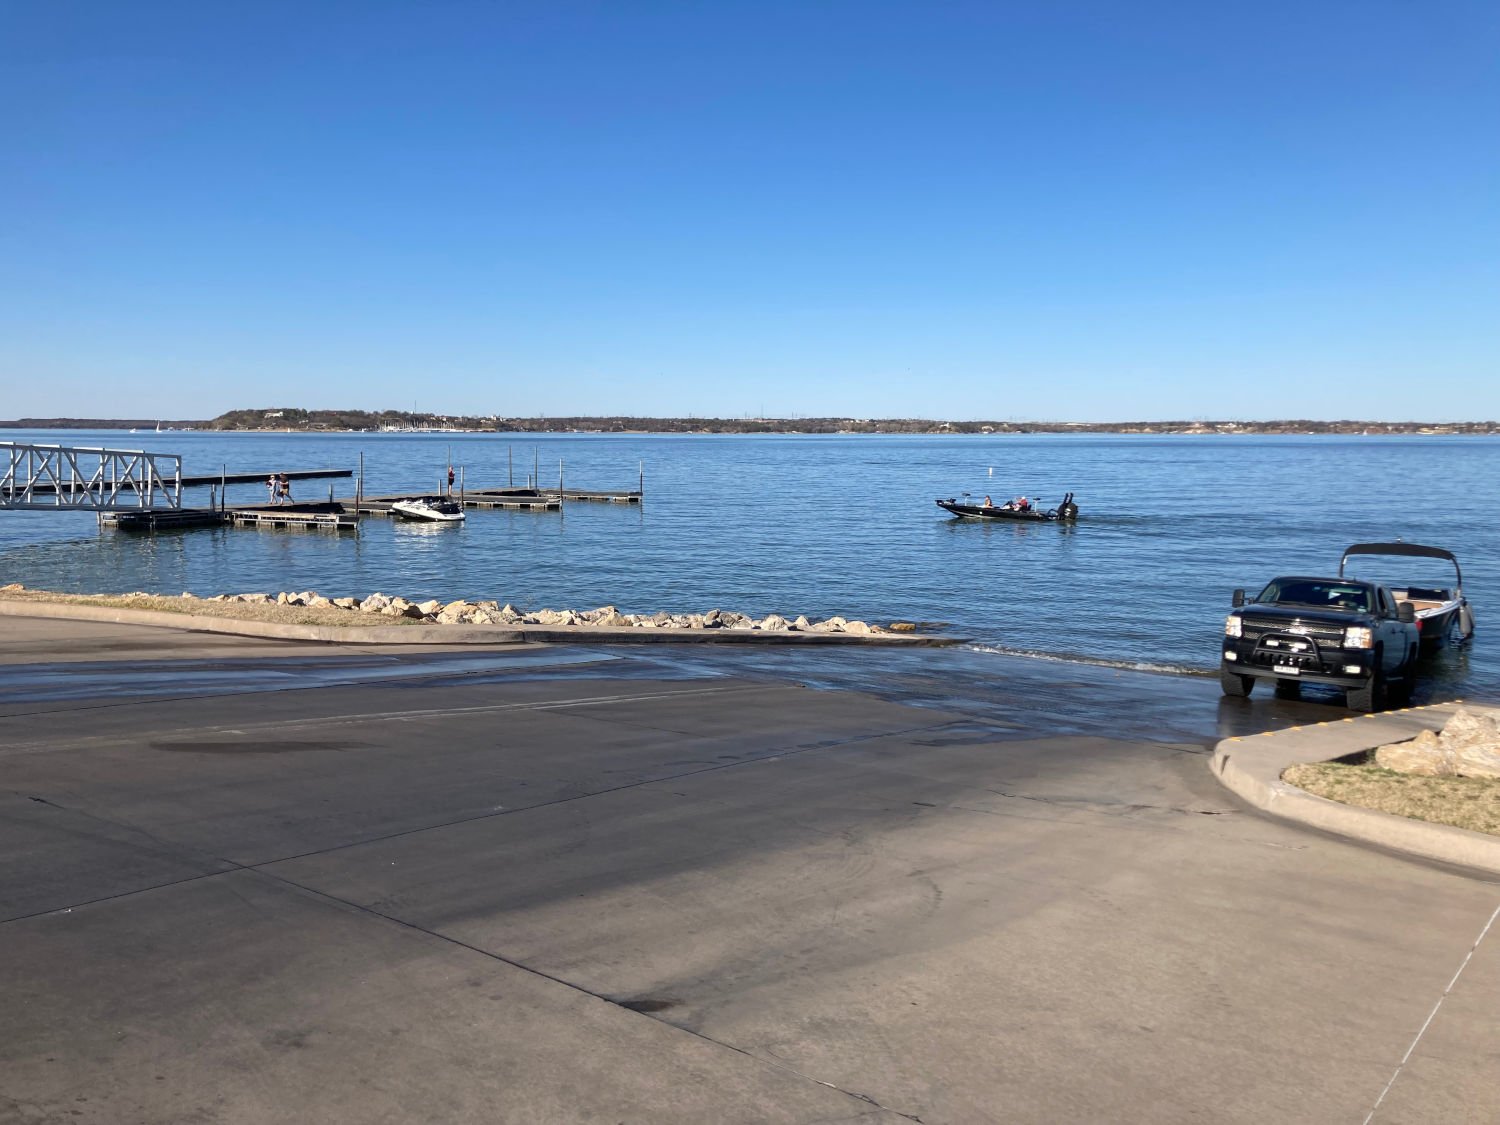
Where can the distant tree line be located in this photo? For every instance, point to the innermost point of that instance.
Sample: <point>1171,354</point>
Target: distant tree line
<point>297,418</point>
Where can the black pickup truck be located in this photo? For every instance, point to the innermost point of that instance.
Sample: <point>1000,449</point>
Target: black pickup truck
<point>1339,631</point>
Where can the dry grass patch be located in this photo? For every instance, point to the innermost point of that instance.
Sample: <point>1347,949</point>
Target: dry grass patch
<point>235,611</point>
<point>1463,802</point>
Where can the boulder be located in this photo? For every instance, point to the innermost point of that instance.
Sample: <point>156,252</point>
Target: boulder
<point>508,615</point>
<point>1467,746</point>
<point>346,603</point>
<point>13,588</point>
<point>429,607</point>
<point>554,617</point>
<point>219,598</point>
<point>459,607</point>
<point>903,627</point>
<point>189,594</point>
<point>613,620</point>
<point>318,601</point>
<point>477,617</point>
<point>834,625</point>
<point>773,623</point>
<point>802,624</point>
<point>375,603</point>
<point>662,620</point>
<point>713,619</point>
<point>857,628</point>
<point>597,616</point>
<point>691,620</point>
<point>738,621</point>
<point>397,607</point>
<point>253,599</point>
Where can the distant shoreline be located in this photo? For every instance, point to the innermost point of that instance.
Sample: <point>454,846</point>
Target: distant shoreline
<point>290,420</point>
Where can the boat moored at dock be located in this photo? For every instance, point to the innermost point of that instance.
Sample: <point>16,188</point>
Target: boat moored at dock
<point>436,509</point>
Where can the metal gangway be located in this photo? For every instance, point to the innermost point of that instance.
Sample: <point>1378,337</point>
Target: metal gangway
<point>59,477</point>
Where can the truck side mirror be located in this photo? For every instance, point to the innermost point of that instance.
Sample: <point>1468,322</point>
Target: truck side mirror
<point>1406,612</point>
<point>1239,599</point>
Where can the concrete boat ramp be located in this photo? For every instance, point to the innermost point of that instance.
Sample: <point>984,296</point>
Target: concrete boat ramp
<point>339,885</point>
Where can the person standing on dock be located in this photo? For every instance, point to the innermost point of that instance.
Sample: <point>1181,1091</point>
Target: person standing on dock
<point>286,488</point>
<point>273,487</point>
<point>450,480</point>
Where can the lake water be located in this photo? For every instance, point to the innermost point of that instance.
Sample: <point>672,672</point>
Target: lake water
<point>820,525</point>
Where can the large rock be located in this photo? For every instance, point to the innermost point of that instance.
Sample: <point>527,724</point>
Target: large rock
<point>857,628</point>
<point>713,619</point>
<point>375,603</point>
<point>253,599</point>
<point>802,624</point>
<point>1468,746</point>
<point>318,601</point>
<point>774,623</point>
<point>346,603</point>
<point>738,621</point>
<point>613,620</point>
<point>429,607</point>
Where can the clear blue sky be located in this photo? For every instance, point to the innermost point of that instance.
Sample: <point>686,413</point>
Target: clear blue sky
<point>1056,211</point>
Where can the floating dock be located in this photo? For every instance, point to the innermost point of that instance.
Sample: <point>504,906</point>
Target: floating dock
<point>325,517</point>
<point>540,499</point>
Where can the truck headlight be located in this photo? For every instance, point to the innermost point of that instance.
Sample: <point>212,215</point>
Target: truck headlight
<point>1232,625</point>
<point>1358,636</point>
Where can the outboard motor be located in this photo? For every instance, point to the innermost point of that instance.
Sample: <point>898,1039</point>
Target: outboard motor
<point>1067,510</point>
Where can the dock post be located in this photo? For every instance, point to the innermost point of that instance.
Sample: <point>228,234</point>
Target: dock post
<point>359,489</point>
<point>510,460</point>
<point>462,488</point>
<point>641,487</point>
<point>536,468</point>
<point>223,485</point>
<point>559,480</point>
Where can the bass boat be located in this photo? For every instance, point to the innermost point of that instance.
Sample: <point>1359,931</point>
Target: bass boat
<point>1444,615</point>
<point>437,509</point>
<point>1065,512</point>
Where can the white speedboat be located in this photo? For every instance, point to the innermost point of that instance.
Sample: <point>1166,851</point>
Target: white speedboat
<point>436,510</point>
<point>1443,614</point>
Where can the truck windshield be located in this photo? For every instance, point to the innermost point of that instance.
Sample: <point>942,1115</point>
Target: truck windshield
<point>1314,592</point>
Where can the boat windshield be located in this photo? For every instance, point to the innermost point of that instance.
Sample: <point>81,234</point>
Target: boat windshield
<point>1317,592</point>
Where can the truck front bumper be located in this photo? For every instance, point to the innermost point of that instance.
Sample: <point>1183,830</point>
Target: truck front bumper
<point>1338,667</point>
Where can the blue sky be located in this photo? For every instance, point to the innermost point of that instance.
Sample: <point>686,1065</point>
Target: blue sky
<point>1045,211</point>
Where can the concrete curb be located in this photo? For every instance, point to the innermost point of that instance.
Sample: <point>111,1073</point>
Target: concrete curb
<point>1251,767</point>
<point>450,634</point>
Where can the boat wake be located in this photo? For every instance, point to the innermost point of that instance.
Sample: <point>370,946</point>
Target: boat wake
<point>1096,661</point>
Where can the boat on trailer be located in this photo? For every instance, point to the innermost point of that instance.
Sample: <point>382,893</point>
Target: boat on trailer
<point>1065,512</point>
<point>1444,615</point>
<point>433,509</point>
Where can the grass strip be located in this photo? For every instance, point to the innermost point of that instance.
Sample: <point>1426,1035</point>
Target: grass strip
<point>1463,802</point>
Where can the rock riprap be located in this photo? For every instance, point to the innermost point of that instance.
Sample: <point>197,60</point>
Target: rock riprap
<point>1467,746</point>
<point>463,612</point>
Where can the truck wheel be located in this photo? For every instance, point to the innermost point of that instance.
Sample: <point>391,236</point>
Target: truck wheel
<point>1288,689</point>
<point>1370,697</point>
<point>1235,684</point>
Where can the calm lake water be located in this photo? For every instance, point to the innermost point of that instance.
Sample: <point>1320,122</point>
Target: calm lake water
<point>838,524</point>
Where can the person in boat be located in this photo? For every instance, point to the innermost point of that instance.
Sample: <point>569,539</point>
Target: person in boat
<point>1009,505</point>
<point>987,503</point>
<point>1024,505</point>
